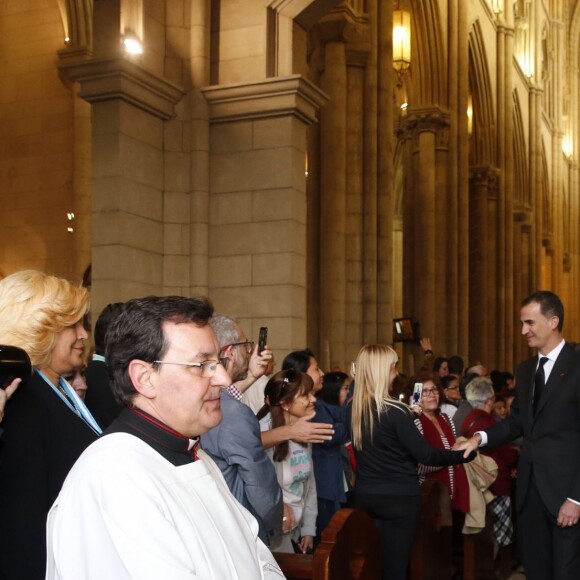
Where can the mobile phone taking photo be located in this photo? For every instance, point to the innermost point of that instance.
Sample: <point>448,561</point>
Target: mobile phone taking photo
<point>262,339</point>
<point>417,393</point>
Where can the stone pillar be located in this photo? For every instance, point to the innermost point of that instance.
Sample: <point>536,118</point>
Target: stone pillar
<point>503,334</point>
<point>426,134</point>
<point>523,276</point>
<point>385,210</point>
<point>257,232</point>
<point>130,105</point>
<point>333,125</point>
<point>200,146</point>
<point>370,165</point>
<point>355,179</point>
<point>535,163</point>
<point>464,299</point>
<point>483,264</point>
<point>448,276</point>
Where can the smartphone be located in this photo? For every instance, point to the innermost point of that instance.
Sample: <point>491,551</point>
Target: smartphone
<point>14,364</point>
<point>417,392</point>
<point>262,339</point>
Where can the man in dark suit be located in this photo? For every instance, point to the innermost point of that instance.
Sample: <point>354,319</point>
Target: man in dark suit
<point>546,411</point>
<point>99,398</point>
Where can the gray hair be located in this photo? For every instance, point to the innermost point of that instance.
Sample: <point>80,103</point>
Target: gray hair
<point>226,329</point>
<point>478,391</point>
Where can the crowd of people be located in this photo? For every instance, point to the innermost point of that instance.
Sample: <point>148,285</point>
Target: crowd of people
<point>179,452</point>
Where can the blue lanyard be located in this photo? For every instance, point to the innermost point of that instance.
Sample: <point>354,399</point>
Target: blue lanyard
<point>73,402</point>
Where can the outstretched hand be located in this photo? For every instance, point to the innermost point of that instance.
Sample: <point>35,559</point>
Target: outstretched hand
<point>304,431</point>
<point>468,446</point>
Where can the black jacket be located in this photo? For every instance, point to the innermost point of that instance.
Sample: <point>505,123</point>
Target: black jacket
<point>388,464</point>
<point>41,441</point>
<point>552,437</point>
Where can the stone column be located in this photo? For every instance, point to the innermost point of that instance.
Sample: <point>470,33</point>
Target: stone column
<point>200,146</point>
<point>535,163</point>
<point>523,276</point>
<point>483,264</point>
<point>503,334</point>
<point>426,134</point>
<point>370,164</point>
<point>333,200</point>
<point>354,210</point>
<point>463,181</point>
<point>448,276</point>
<point>257,231</point>
<point>385,210</point>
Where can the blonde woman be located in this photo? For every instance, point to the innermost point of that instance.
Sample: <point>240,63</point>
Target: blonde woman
<point>388,448</point>
<point>46,426</point>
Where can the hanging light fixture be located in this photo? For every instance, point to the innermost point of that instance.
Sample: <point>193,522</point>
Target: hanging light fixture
<point>401,42</point>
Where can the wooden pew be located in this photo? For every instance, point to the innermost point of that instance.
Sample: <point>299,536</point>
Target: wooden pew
<point>349,550</point>
<point>431,554</point>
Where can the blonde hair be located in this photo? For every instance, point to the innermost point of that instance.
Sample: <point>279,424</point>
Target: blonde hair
<point>371,388</point>
<point>35,307</point>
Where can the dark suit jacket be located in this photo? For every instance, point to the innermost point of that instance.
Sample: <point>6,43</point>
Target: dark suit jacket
<point>42,439</point>
<point>99,398</point>
<point>552,437</point>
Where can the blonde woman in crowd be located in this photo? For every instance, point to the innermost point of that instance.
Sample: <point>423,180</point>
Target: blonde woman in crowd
<point>46,426</point>
<point>388,448</point>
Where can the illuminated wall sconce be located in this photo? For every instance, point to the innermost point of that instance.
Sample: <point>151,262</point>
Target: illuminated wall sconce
<point>497,6</point>
<point>401,43</point>
<point>568,146</point>
<point>132,45</point>
<point>469,115</point>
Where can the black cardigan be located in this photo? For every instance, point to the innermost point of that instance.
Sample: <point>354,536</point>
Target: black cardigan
<point>388,464</point>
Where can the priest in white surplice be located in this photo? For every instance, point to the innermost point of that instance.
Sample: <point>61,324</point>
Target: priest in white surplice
<point>143,502</point>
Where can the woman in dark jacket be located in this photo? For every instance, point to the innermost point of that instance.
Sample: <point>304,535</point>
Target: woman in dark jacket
<point>47,426</point>
<point>388,448</point>
<point>329,457</point>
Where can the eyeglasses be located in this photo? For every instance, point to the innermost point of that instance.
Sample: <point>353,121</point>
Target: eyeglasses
<point>247,343</point>
<point>428,392</point>
<point>208,367</point>
<point>452,388</point>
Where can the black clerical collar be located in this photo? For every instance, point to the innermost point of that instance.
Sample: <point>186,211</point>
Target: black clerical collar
<point>176,448</point>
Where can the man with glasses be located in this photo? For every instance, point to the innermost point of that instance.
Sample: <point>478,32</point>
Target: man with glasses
<point>143,501</point>
<point>235,444</point>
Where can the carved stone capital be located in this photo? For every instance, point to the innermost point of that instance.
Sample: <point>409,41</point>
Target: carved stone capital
<point>421,120</point>
<point>273,97</point>
<point>117,78</point>
<point>485,176</point>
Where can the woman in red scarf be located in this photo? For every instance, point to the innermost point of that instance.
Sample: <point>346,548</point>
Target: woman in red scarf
<point>438,430</point>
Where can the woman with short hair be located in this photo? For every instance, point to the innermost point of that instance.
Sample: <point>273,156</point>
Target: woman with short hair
<point>47,426</point>
<point>481,396</point>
